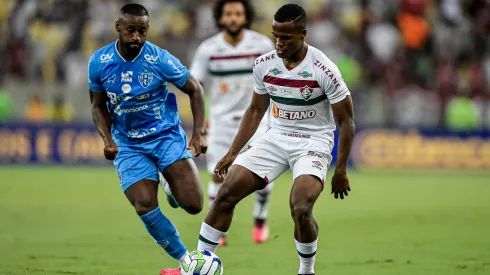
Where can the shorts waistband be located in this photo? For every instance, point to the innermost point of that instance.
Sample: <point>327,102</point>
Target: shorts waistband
<point>299,135</point>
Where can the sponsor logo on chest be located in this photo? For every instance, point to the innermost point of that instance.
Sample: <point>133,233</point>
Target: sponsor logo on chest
<point>127,76</point>
<point>152,59</point>
<point>105,58</point>
<point>292,115</point>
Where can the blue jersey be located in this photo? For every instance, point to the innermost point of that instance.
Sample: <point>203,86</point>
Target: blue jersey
<point>139,103</point>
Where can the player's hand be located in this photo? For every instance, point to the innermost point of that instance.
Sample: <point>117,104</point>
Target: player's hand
<point>221,168</point>
<point>110,151</point>
<point>197,145</point>
<point>340,185</point>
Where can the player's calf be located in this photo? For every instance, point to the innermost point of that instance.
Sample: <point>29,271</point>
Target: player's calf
<point>217,221</point>
<point>306,236</point>
<point>304,194</point>
<point>239,183</point>
<point>143,196</point>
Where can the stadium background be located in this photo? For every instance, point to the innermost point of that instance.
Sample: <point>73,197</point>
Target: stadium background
<point>419,73</point>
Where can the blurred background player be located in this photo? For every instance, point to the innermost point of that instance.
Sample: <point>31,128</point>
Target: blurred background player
<point>137,118</point>
<point>301,137</point>
<point>223,63</point>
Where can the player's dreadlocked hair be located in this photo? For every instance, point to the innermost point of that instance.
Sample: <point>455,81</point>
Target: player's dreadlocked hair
<point>134,9</point>
<point>291,13</point>
<point>218,11</point>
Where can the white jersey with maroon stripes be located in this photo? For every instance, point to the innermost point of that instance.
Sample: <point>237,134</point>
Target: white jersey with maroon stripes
<point>226,73</point>
<point>301,98</point>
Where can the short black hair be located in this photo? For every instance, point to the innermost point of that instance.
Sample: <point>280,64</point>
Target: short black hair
<point>134,9</point>
<point>291,13</point>
<point>218,11</point>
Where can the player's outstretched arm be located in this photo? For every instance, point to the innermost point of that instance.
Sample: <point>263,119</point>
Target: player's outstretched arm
<point>102,122</point>
<point>196,94</point>
<point>250,122</point>
<point>343,112</point>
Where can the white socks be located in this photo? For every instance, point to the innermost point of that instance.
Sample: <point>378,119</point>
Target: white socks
<point>209,238</point>
<point>307,254</point>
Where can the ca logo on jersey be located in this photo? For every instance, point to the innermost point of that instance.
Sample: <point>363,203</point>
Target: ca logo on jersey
<point>145,79</point>
<point>151,59</point>
<point>306,92</point>
<point>104,58</point>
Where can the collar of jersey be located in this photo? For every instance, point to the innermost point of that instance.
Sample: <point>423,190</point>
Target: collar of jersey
<point>115,47</point>
<point>300,65</point>
<point>245,34</point>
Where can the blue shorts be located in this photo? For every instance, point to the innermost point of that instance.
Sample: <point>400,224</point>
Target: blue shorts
<point>138,161</point>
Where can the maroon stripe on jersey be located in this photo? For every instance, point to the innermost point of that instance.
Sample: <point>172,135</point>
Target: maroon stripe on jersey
<point>238,56</point>
<point>291,83</point>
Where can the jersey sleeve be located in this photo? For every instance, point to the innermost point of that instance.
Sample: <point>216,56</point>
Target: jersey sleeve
<point>173,71</point>
<point>333,84</point>
<point>94,82</point>
<point>259,85</point>
<point>199,64</point>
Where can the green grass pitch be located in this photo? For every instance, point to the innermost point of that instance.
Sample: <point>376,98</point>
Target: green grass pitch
<point>77,221</point>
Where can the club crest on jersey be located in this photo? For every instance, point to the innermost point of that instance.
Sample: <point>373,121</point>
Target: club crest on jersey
<point>145,79</point>
<point>306,92</point>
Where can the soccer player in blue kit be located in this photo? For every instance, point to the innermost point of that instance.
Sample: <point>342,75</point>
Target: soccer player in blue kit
<point>137,118</point>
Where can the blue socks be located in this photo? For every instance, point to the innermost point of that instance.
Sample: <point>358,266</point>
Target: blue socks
<point>164,233</point>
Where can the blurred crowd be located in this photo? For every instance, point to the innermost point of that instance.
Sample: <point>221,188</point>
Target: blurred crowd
<point>408,63</point>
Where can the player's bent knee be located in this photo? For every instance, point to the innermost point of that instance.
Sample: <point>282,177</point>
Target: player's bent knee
<point>301,212</point>
<point>193,206</point>
<point>143,206</point>
<point>224,200</point>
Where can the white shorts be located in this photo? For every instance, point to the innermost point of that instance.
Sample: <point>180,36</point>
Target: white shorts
<point>275,152</point>
<point>219,142</point>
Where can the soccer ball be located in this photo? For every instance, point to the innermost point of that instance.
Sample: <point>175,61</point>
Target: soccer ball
<point>202,262</point>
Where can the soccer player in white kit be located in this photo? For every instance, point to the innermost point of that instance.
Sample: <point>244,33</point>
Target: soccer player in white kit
<point>307,95</point>
<point>223,63</point>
